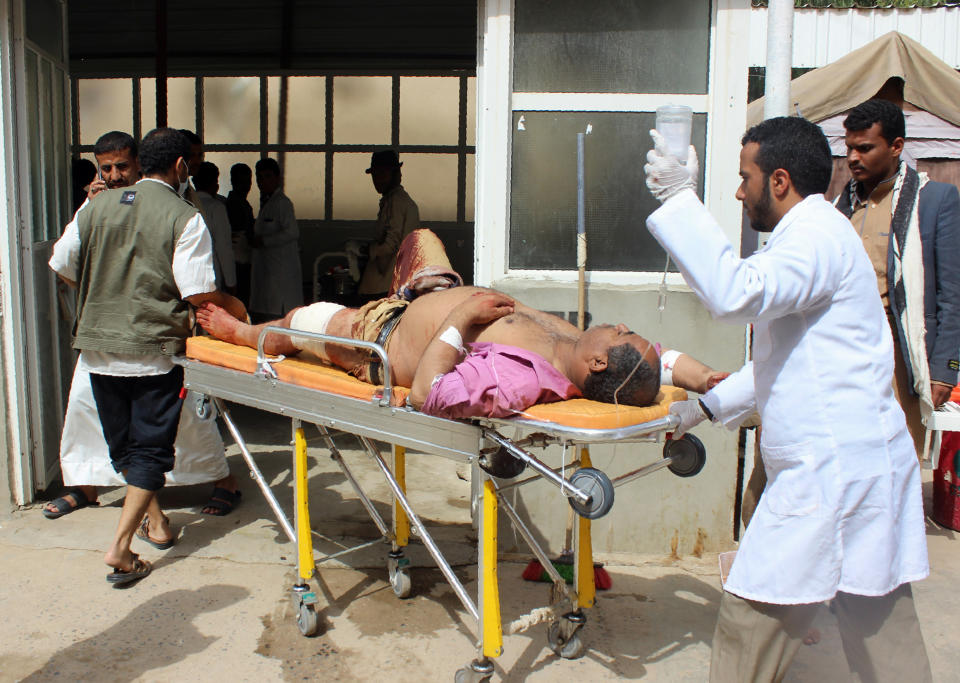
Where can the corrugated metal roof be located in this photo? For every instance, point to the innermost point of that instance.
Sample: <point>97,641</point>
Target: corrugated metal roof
<point>866,4</point>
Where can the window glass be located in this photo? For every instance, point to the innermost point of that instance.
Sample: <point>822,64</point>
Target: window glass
<point>353,195</point>
<point>303,183</point>
<point>361,110</point>
<point>470,198</point>
<point>231,110</point>
<point>429,110</point>
<point>182,103</point>
<point>543,211</point>
<point>104,105</point>
<point>148,105</point>
<point>611,46</point>
<point>471,111</point>
<point>306,110</point>
<point>273,108</point>
<point>431,180</point>
<point>224,160</point>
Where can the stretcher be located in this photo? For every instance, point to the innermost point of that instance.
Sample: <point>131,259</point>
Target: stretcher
<point>333,401</point>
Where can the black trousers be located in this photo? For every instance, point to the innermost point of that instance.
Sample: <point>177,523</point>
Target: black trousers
<point>140,416</point>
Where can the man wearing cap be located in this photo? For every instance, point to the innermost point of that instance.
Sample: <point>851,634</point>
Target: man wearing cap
<point>397,218</point>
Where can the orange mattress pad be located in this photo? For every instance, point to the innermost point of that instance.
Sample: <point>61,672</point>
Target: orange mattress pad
<point>577,412</point>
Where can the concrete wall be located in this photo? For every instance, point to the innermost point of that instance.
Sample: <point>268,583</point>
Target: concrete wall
<point>654,512</point>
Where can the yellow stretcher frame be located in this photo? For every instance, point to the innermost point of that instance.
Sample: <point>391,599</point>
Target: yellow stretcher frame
<point>461,441</point>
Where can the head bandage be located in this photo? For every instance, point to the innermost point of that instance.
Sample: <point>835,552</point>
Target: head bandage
<point>313,318</point>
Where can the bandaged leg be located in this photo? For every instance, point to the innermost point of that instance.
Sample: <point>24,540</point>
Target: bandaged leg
<point>314,318</point>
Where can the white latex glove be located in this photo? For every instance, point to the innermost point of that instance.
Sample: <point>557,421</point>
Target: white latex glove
<point>690,414</point>
<point>665,174</point>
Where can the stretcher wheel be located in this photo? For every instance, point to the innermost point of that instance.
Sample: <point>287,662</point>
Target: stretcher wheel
<point>475,672</point>
<point>204,407</point>
<point>401,583</point>
<point>570,647</point>
<point>687,453</point>
<point>308,621</point>
<point>598,486</point>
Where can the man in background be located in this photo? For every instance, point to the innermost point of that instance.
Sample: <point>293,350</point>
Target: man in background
<point>910,227</point>
<point>207,184</point>
<point>398,217</point>
<point>241,218</point>
<point>276,286</point>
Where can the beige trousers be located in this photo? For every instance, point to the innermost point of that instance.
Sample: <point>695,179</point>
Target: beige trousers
<point>755,642</point>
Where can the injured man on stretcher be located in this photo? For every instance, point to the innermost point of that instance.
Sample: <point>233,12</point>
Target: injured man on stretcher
<point>472,351</point>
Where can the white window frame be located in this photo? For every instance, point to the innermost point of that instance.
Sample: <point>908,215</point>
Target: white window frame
<point>725,105</point>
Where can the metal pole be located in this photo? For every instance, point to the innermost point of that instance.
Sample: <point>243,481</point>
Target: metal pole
<point>776,101</point>
<point>581,238</point>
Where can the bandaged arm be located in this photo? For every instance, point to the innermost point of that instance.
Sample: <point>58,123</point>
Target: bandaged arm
<point>734,399</point>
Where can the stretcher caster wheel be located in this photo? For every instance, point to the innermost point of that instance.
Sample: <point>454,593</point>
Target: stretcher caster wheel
<point>476,672</point>
<point>308,621</point>
<point>204,408</point>
<point>398,567</point>
<point>687,454</point>
<point>567,647</point>
<point>598,486</point>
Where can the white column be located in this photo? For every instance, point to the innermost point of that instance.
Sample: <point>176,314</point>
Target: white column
<point>779,57</point>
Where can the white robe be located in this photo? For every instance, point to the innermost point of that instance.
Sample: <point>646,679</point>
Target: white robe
<point>85,461</point>
<point>842,510</point>
<point>276,286</point>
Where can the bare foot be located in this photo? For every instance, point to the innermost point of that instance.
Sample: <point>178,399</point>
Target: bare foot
<point>217,322</point>
<point>812,637</point>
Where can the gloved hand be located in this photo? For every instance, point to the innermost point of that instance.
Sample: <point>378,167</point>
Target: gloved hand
<point>690,414</point>
<point>665,174</point>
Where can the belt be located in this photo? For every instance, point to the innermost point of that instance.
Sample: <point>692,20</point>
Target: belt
<point>375,367</point>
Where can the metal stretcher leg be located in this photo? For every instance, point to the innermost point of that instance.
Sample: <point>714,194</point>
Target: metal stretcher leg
<point>255,471</point>
<point>583,551</point>
<point>425,536</point>
<point>305,599</point>
<point>398,566</point>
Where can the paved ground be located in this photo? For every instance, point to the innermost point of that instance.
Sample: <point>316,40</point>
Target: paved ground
<point>217,605</point>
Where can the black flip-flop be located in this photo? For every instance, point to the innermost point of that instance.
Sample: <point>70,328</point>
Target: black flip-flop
<point>143,533</point>
<point>63,506</point>
<point>139,570</point>
<point>223,501</point>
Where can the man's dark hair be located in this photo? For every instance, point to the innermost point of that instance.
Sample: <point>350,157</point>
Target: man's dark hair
<point>640,390</point>
<point>160,149</point>
<point>240,171</point>
<point>115,141</point>
<point>206,176</point>
<point>268,165</point>
<point>884,112</point>
<point>798,147</point>
<point>191,136</point>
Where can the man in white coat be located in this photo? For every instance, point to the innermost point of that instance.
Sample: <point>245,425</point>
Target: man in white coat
<point>842,516</point>
<point>207,183</point>
<point>276,287</point>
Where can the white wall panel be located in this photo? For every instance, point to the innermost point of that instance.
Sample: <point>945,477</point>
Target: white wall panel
<point>821,36</point>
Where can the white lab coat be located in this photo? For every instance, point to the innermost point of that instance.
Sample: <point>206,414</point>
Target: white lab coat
<point>842,510</point>
<point>276,286</point>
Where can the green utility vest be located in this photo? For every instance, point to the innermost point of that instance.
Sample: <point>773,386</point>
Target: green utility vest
<point>128,300</point>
